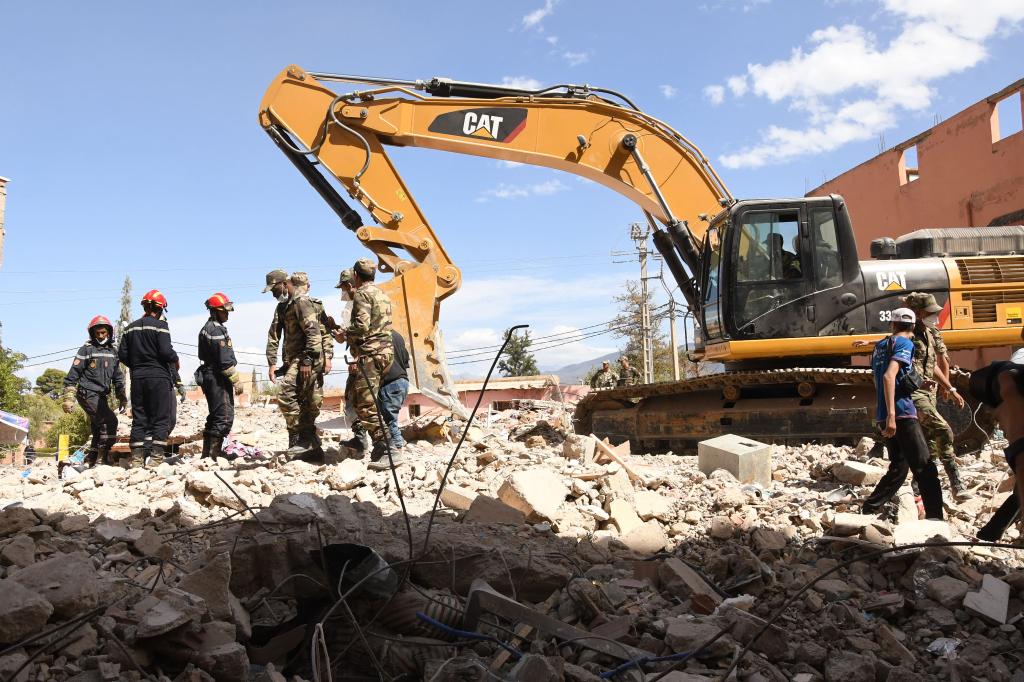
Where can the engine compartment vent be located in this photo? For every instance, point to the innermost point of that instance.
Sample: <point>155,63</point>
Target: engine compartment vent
<point>1005,270</point>
<point>950,242</point>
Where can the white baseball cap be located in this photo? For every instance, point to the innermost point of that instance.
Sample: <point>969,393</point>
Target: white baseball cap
<point>904,315</point>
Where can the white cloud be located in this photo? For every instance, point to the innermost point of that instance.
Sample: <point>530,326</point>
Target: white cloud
<point>552,40</point>
<point>575,58</point>
<point>535,18</point>
<point>715,94</point>
<point>501,163</point>
<point>474,338</point>
<point>508,191</point>
<point>521,82</point>
<point>849,86</point>
<point>668,91</point>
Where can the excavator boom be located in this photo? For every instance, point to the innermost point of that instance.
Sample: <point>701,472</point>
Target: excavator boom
<point>340,139</point>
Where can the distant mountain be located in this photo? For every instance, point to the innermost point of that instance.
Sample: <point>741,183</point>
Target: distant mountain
<point>573,374</point>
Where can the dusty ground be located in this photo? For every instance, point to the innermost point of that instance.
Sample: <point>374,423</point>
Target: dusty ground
<point>223,570</point>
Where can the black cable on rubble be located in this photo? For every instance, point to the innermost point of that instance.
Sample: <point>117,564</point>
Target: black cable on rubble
<point>465,430</point>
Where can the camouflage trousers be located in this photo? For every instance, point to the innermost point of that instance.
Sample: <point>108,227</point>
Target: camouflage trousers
<point>365,396</point>
<point>300,399</point>
<point>936,429</point>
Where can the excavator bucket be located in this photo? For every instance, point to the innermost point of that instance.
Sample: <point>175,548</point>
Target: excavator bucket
<point>414,316</point>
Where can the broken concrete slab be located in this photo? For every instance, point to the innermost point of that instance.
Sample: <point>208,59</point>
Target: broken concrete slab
<point>211,582</point>
<point>623,516</point>
<point>682,581</point>
<point>486,509</point>
<point>21,551</point>
<point>857,473</point>
<point>458,498</point>
<point>652,505</point>
<point>22,611</point>
<point>346,475</point>
<point>991,601</point>
<point>947,590</point>
<point>748,460</point>
<point>647,538</point>
<point>538,493</point>
<point>68,581</point>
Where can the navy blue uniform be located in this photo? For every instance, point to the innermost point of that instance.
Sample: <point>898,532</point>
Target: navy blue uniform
<point>147,352</point>
<point>217,376</point>
<point>94,371</point>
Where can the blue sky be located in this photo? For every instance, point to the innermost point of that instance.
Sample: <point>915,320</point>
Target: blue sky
<point>130,136</point>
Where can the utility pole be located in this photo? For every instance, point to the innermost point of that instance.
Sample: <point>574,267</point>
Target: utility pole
<point>3,205</point>
<point>639,235</point>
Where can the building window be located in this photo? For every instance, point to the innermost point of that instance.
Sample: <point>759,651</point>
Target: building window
<point>909,170</point>
<point>1006,117</point>
<point>414,411</point>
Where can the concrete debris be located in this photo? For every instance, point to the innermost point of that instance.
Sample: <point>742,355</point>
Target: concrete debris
<point>221,570</point>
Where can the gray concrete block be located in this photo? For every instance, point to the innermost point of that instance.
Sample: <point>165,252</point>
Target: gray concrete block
<point>748,460</point>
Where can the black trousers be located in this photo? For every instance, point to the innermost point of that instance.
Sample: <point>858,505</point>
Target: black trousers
<point>1001,521</point>
<point>908,453</point>
<point>102,420</point>
<point>153,411</point>
<point>220,402</point>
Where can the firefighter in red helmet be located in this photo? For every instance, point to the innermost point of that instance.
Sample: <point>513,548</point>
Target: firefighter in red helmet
<point>217,375</point>
<point>147,352</point>
<point>94,371</point>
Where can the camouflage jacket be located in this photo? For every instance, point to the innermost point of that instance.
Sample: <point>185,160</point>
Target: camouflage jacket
<point>370,329</point>
<point>302,336</point>
<point>928,346</point>
<point>276,330</point>
<point>604,378</point>
<point>629,376</point>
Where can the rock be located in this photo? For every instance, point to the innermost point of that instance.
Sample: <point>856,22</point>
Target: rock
<point>767,540</point>
<point>346,475</point>
<point>846,666</point>
<point>773,643</point>
<point>167,610</point>
<point>85,641</point>
<point>991,601</point>
<point>892,649</point>
<point>22,612</point>
<point>864,446</point>
<point>16,519</point>
<point>68,581</point>
<point>536,441</point>
<point>486,509</point>
<point>150,544</point>
<point>681,581</point>
<point>458,498</point>
<point>722,528</point>
<point>904,674</point>
<point>947,590</point>
<point>746,459</point>
<point>730,497</point>
<point>652,505</point>
<point>579,448</point>
<point>112,530</point>
<point>230,662</point>
<point>646,539</point>
<point>73,524</point>
<point>811,652</point>
<point>21,551</point>
<point>534,668</point>
<point>916,532</point>
<point>13,662</point>
<point>683,634</point>
<point>538,493</point>
<point>623,516</point>
<point>857,473</point>
<point>833,589</point>
<point>211,582</point>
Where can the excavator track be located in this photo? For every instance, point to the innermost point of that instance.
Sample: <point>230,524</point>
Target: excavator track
<point>788,406</point>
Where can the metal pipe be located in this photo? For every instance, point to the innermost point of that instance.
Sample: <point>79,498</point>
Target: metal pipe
<point>372,80</point>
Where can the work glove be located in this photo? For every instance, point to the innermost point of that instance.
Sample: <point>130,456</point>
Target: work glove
<point>122,403</point>
<point>180,388</point>
<point>68,405</point>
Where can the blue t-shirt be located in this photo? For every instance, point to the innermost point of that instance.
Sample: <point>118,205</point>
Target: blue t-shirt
<point>902,351</point>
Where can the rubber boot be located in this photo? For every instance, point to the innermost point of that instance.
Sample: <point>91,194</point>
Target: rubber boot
<point>359,442</point>
<point>91,457</point>
<point>302,446</point>
<point>379,459</point>
<point>217,447</point>
<point>293,436</point>
<point>103,455</point>
<point>136,457</point>
<point>956,484</point>
<point>207,445</point>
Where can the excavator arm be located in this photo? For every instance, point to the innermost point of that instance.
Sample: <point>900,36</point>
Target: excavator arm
<point>339,140</point>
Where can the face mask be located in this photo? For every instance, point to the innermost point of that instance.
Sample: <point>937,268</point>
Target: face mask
<point>282,297</point>
<point>931,321</point>
<point>345,296</point>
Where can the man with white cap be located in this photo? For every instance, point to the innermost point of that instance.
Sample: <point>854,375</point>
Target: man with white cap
<point>896,417</point>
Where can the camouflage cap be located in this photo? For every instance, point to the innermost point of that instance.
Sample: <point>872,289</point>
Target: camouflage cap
<point>364,267</point>
<point>344,278</point>
<point>300,279</point>
<point>274,277</point>
<point>922,301</point>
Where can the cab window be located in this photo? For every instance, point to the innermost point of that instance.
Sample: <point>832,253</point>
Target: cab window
<point>827,264</point>
<point>769,247</point>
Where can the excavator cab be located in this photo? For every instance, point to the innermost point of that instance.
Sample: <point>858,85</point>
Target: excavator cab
<point>781,269</point>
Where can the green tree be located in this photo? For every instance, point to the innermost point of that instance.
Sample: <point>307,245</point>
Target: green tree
<point>76,425</point>
<point>518,361</point>
<point>11,385</point>
<point>125,318</point>
<point>50,382</point>
<point>42,413</point>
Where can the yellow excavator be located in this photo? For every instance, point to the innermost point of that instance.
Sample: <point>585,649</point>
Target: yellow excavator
<point>777,293</point>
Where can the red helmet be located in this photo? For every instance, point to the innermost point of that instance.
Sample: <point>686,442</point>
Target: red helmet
<point>219,300</point>
<point>154,296</point>
<point>100,321</point>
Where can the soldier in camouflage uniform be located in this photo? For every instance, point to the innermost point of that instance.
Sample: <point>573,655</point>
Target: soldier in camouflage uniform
<point>604,377</point>
<point>369,337</point>
<point>628,375</point>
<point>931,361</point>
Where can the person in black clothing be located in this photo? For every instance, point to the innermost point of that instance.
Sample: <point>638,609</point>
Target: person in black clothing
<point>217,375</point>
<point>394,387</point>
<point>147,352</point>
<point>94,370</point>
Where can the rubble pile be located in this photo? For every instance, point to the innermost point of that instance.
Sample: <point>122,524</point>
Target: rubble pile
<point>553,556</point>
